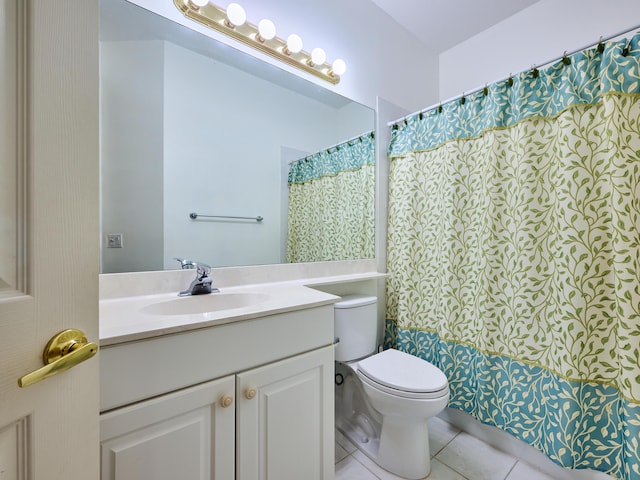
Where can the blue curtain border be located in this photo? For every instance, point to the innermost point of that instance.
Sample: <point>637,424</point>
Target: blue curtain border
<point>577,424</point>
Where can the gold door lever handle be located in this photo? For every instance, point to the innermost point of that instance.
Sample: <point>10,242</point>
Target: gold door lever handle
<point>64,350</point>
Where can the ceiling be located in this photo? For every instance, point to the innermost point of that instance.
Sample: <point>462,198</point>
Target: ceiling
<point>441,24</point>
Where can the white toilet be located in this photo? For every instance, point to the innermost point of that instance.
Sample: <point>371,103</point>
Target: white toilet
<point>383,400</point>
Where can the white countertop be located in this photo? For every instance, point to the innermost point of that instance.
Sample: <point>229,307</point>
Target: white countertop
<point>127,319</point>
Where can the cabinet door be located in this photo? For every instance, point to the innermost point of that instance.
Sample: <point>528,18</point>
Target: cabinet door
<point>285,421</point>
<point>186,435</point>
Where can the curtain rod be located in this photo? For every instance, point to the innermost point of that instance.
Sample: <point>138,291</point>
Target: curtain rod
<point>477,89</point>
<point>370,133</point>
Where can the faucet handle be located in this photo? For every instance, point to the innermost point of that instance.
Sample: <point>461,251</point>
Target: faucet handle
<point>185,263</point>
<point>203,269</point>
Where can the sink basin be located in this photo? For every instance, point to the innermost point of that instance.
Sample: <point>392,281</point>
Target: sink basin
<point>212,302</point>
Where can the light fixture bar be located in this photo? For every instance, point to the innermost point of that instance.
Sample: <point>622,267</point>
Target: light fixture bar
<point>214,17</point>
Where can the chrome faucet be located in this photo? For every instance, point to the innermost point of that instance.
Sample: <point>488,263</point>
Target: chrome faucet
<point>202,284</point>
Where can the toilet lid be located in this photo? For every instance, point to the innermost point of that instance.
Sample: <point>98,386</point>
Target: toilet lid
<point>401,371</point>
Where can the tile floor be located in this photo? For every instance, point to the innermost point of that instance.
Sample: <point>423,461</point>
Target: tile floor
<point>456,455</point>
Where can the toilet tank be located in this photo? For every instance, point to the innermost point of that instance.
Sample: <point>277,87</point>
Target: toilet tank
<point>356,326</point>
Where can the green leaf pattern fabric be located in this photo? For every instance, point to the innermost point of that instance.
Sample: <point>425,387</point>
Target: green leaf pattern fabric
<point>332,204</point>
<point>514,254</point>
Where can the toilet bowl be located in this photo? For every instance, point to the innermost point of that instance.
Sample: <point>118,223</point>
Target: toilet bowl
<point>383,400</point>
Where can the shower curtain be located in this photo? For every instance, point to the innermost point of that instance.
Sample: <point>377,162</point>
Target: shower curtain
<point>331,203</point>
<point>514,247</point>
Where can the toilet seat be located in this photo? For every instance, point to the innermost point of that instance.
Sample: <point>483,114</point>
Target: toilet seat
<point>403,375</point>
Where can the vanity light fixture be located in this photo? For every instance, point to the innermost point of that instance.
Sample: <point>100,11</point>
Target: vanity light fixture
<point>318,56</point>
<point>339,66</point>
<point>266,30</point>
<point>233,22</point>
<point>293,45</point>
<point>236,15</point>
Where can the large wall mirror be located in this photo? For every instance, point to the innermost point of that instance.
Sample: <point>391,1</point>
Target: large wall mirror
<point>192,125</point>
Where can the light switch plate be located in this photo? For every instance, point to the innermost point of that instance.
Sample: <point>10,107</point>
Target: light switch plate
<point>114,240</point>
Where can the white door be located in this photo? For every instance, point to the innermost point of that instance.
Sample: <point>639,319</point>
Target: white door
<point>49,237</point>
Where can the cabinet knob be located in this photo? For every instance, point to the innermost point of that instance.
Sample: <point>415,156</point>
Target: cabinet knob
<point>226,401</point>
<point>249,393</point>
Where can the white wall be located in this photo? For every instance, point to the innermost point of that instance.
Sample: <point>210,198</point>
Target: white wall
<point>382,58</point>
<point>131,129</point>
<point>539,33</point>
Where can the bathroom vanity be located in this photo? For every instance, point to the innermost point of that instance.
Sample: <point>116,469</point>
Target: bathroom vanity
<point>236,385</point>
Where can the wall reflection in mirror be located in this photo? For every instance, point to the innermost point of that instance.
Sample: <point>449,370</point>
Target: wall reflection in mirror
<point>191,125</point>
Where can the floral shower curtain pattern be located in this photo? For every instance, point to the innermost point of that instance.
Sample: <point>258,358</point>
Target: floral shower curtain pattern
<point>332,203</point>
<point>514,254</point>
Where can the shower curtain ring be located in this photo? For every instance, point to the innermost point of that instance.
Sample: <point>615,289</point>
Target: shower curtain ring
<point>534,71</point>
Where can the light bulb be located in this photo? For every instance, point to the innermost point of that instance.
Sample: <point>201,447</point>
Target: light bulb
<point>236,14</point>
<point>266,29</point>
<point>339,67</point>
<point>199,3</point>
<point>294,43</point>
<point>318,56</point>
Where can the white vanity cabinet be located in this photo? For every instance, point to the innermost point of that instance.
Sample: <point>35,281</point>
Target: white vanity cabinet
<point>247,400</point>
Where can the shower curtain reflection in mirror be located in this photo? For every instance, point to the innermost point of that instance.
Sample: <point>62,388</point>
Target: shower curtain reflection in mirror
<point>331,203</point>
